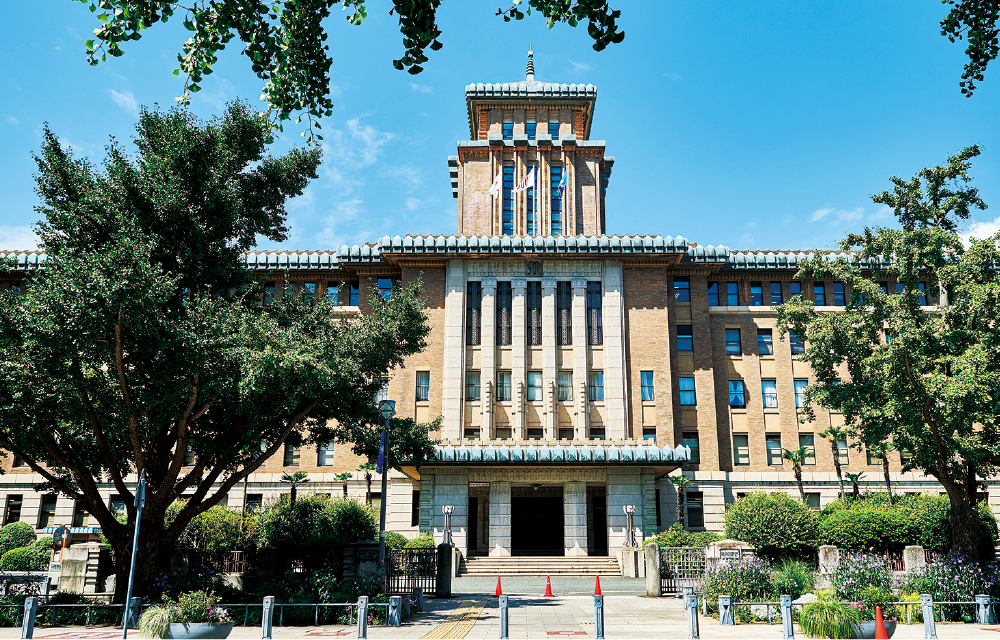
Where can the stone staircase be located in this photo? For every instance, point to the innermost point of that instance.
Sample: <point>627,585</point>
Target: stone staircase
<point>539,566</point>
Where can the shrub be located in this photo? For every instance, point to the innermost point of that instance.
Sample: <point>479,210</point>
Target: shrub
<point>318,529</point>
<point>14,535</point>
<point>21,559</point>
<point>793,578</point>
<point>774,523</point>
<point>423,541</point>
<point>868,527</point>
<point>859,571</point>
<point>195,606</point>
<point>217,531</point>
<point>916,612</point>
<point>871,597</point>
<point>677,536</point>
<point>951,578</point>
<point>828,619</point>
<point>746,580</point>
<point>394,540</point>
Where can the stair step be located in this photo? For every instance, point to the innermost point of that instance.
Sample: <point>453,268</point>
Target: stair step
<point>539,566</point>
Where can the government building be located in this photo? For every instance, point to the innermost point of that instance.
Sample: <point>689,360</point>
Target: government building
<point>575,371</point>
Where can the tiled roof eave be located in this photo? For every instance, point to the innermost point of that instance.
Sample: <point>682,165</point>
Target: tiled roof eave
<point>596,454</point>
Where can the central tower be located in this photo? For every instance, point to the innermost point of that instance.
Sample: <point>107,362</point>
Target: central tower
<point>530,132</point>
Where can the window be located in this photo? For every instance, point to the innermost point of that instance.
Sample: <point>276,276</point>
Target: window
<point>530,218</point>
<point>291,456</point>
<point>507,128</point>
<point>564,313</point>
<point>685,339</point>
<point>900,286</point>
<point>189,457</point>
<point>872,459</point>
<point>713,294</point>
<point>473,313</point>
<point>534,315</point>
<point>695,509</point>
<point>776,293</point>
<point>769,392</point>
<point>503,313</point>
<point>254,502</point>
<point>324,454</point>
<point>13,511</point>
<point>565,386</point>
<point>529,128</point>
<point>905,457</point>
<point>503,386</point>
<point>838,294</point>
<point>47,514</point>
<point>682,290</point>
<point>269,291</point>
<point>888,336</point>
<point>385,288</point>
<point>595,328</point>
<point>687,394</point>
<point>596,433</point>
<point>812,501</point>
<point>796,343</point>
<point>732,294</point>
<point>595,386</point>
<point>756,294</point>
<point>819,294</point>
<point>116,504</point>
<point>800,393</point>
<point>376,500</point>
<point>795,288</point>
<point>383,392</point>
<point>765,345</point>
<point>332,292</point>
<point>808,441</point>
<point>354,295</point>
<point>772,442</point>
<point>471,386</point>
<point>534,386</point>
<point>646,385</point>
<point>309,291</point>
<point>508,199</point>
<point>884,286</point>
<point>80,515</point>
<point>741,449</point>
<point>842,451</point>
<point>554,129</point>
<point>415,508</point>
<point>555,182</point>
<point>690,439</point>
<point>649,433</point>
<point>733,346</point>
<point>737,394</point>
<point>423,386</point>
<point>922,295</point>
<point>471,433</point>
<point>18,462</point>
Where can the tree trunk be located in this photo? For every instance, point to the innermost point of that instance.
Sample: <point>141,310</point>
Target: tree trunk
<point>798,478</point>
<point>836,465</point>
<point>888,481</point>
<point>856,489</point>
<point>345,491</point>
<point>151,556</point>
<point>291,499</point>
<point>368,492</point>
<point>963,518</point>
<point>680,507</point>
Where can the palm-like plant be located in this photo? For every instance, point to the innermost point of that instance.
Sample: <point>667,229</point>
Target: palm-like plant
<point>294,479</point>
<point>835,435</point>
<point>855,478</point>
<point>881,451</point>
<point>681,483</point>
<point>797,457</point>
<point>367,468</point>
<point>343,477</point>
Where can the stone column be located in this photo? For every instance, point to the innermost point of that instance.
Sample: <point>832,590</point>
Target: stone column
<point>452,487</point>
<point>581,415</point>
<point>488,351</point>
<point>453,383</point>
<point>614,353</point>
<point>550,422</point>
<point>575,518</point>
<point>500,519</point>
<point>623,488</point>
<point>518,347</point>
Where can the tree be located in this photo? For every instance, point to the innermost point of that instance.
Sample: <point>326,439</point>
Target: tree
<point>367,468</point>
<point>835,435</point>
<point>343,477</point>
<point>855,478</point>
<point>797,457</point>
<point>882,451</point>
<point>976,21</point>
<point>681,482</point>
<point>933,388</point>
<point>286,42</point>
<point>294,479</point>
<point>144,336</point>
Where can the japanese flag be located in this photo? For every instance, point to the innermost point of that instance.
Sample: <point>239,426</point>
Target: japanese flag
<point>527,183</point>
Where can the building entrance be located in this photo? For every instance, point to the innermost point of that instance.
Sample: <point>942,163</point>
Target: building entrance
<point>536,520</point>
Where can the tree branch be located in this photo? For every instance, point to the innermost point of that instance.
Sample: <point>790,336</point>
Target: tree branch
<point>133,431</point>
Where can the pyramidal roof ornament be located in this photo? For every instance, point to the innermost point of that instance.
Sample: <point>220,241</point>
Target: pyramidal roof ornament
<point>530,73</point>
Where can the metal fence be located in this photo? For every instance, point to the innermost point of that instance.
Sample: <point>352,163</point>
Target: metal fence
<point>408,569</point>
<point>681,567</point>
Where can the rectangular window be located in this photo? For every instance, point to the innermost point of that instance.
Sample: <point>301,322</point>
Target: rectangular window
<point>795,288</point>
<point>888,336</point>
<point>309,291</point>
<point>690,439</point>
<point>473,313</point>
<point>741,449</point>
<point>646,385</point>
<point>383,392</point>
<point>555,180</point>
<point>565,386</point>
<point>596,433</point>
<point>713,294</point>
<point>415,508</point>
<point>18,462</point>
<point>733,294</point>
<point>595,386</point>
<point>507,129</point>
<point>508,199</point>
<point>47,514</point>
<point>564,313</point>
<point>471,433</point>
<point>733,345</point>
<point>530,127</point>
<point>471,386</point>
<point>872,460</point>
<point>808,441</point>
<point>685,338</point>
<point>776,298</point>
<point>554,129</point>
<point>838,294</point>
<point>291,456</point>
<point>682,290</point>
<point>756,294</point>
<point>737,394</point>
<point>922,294</point>
<point>324,455</point>
<point>800,393</point>
<point>765,345</point>
<point>769,393</point>
<point>116,503</point>
<point>332,292</point>
<point>254,502</point>
<point>534,386</point>
<point>189,457</point>
<point>900,286</point>
<point>269,291</point>
<point>385,288</point>
<point>796,343</point>
<point>687,394</point>
<point>842,452</point>
<point>503,386</point>
<point>819,294</point>
<point>595,326</point>
<point>503,313</point>
<point>884,286</point>
<point>80,516</point>
<point>812,501</point>
<point>905,457</point>
<point>534,315</point>
<point>354,294</point>
<point>695,509</point>
<point>12,513</point>
<point>649,433</point>
<point>529,201</point>
<point>772,441</point>
<point>423,386</point>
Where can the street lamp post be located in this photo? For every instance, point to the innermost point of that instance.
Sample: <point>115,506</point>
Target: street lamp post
<point>388,409</point>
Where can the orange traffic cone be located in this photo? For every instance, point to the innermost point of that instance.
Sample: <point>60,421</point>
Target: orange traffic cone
<point>499,592</point>
<point>879,624</point>
<point>548,587</point>
<point>597,587</point>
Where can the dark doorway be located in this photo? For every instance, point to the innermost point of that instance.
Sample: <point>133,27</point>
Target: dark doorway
<point>536,515</point>
<point>597,521</point>
<point>473,542</point>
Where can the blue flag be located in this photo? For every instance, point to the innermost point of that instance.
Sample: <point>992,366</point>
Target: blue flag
<point>381,453</point>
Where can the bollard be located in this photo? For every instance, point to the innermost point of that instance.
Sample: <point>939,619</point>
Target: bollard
<point>786,617</point>
<point>984,610</point>
<point>504,618</point>
<point>134,610</point>
<point>267,618</point>
<point>406,607</point>
<point>46,586</point>
<point>927,606</point>
<point>363,617</point>
<point>392,615</point>
<point>418,596</point>
<point>599,617</point>
<point>726,610</point>
<point>686,593</point>
<point>691,604</point>
<point>28,624</point>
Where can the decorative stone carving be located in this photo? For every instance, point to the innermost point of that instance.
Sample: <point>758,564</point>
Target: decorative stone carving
<point>477,269</point>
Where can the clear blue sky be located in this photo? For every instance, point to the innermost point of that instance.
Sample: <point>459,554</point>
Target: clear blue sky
<point>755,125</point>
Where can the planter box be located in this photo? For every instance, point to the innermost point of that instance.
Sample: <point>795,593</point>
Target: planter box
<point>199,630</point>
<point>866,629</point>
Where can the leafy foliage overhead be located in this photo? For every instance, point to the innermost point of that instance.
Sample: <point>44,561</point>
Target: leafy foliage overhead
<point>976,22</point>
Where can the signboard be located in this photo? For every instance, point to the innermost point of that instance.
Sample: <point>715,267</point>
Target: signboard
<point>61,537</point>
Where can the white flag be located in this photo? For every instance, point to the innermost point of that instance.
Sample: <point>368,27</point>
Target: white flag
<point>527,183</point>
<point>495,188</point>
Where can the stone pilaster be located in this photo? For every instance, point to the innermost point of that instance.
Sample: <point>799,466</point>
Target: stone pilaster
<point>518,350</point>
<point>550,422</point>
<point>580,417</point>
<point>488,351</point>
<point>500,519</point>
<point>614,353</point>
<point>452,487</point>
<point>453,384</point>
<point>624,487</point>
<point>575,518</point>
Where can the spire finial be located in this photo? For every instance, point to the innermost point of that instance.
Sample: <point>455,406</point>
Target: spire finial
<point>530,74</point>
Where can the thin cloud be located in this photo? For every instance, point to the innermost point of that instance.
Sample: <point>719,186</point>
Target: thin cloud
<point>980,230</point>
<point>836,216</point>
<point>673,76</point>
<point>357,145</point>
<point>13,120</point>
<point>579,66</point>
<point>421,88</point>
<point>17,238</point>
<point>126,101</point>
<point>405,175</point>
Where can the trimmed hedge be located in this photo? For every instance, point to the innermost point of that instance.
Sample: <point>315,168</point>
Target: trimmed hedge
<point>423,541</point>
<point>15,535</point>
<point>676,536</point>
<point>22,559</point>
<point>868,527</point>
<point>774,523</point>
<point>395,540</point>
